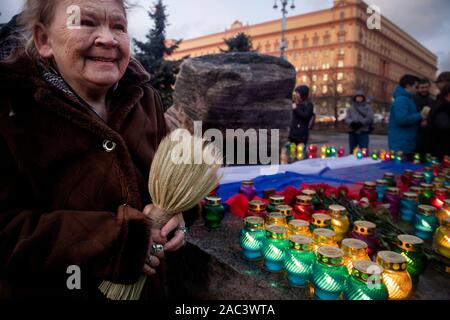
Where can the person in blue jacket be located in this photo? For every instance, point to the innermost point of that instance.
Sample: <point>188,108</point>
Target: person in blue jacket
<point>404,120</point>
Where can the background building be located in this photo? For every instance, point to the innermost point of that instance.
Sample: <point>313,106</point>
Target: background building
<point>334,52</point>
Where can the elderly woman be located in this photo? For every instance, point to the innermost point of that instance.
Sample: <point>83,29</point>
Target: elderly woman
<point>79,126</point>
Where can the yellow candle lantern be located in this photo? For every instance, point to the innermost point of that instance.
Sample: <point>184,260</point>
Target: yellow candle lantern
<point>442,239</point>
<point>286,211</point>
<point>324,237</point>
<point>299,228</point>
<point>320,220</point>
<point>339,221</point>
<point>276,218</point>
<point>395,277</point>
<point>354,250</point>
<point>444,212</point>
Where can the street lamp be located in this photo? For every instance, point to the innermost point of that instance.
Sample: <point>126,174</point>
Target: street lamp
<point>284,12</point>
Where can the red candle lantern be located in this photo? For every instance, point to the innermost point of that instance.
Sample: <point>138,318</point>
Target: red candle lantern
<point>312,149</point>
<point>341,152</point>
<point>368,191</point>
<point>365,153</point>
<point>446,162</point>
<point>438,199</point>
<point>256,208</point>
<point>303,208</point>
<point>407,177</point>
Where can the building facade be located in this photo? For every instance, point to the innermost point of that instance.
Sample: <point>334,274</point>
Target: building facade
<point>334,52</point>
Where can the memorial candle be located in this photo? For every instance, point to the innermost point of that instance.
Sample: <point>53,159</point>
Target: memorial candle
<point>425,222</point>
<point>274,200</point>
<point>392,197</point>
<point>339,221</point>
<point>324,237</point>
<point>256,208</point>
<point>248,189</point>
<point>299,259</point>
<point>390,178</point>
<point>442,239</point>
<point>395,277</point>
<point>251,238</point>
<point>411,248</point>
<point>368,191</point>
<point>354,250</point>
<point>213,212</point>
<point>303,208</point>
<point>381,188</point>
<point>439,197</point>
<point>286,211</point>
<point>365,282</point>
<point>320,220</point>
<point>417,179</point>
<point>329,274</point>
<point>312,149</point>
<point>427,193</point>
<point>274,247</point>
<point>444,212</point>
<point>299,227</point>
<point>366,231</point>
<point>408,206</point>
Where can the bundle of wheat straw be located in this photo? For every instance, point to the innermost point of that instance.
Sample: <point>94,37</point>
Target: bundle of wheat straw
<point>184,170</point>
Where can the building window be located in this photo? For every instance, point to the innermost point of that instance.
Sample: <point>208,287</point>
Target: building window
<point>326,53</point>
<point>315,54</point>
<point>315,40</point>
<point>324,89</point>
<point>326,38</point>
<point>305,43</point>
<point>342,15</point>
<point>295,43</point>
<point>314,77</point>
<point>341,39</point>
<point>340,76</point>
<point>340,63</point>
<point>314,88</point>
<point>304,78</point>
<point>340,88</point>
<point>295,56</point>
<point>267,47</point>
<point>325,77</point>
<point>341,51</point>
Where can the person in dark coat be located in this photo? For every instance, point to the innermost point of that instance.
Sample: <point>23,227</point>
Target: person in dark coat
<point>439,125</point>
<point>360,119</point>
<point>79,127</point>
<point>404,120</point>
<point>423,100</point>
<point>302,115</point>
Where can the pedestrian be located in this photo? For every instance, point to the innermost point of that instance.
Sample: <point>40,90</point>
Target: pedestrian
<point>404,119</point>
<point>423,101</point>
<point>360,119</point>
<point>302,115</point>
<point>439,125</point>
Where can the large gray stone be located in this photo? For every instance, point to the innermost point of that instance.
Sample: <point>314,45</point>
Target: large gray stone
<point>234,91</point>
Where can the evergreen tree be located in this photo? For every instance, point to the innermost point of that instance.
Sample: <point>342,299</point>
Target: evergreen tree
<point>153,52</point>
<point>241,42</point>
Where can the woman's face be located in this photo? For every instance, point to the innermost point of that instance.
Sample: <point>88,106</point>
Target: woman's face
<point>92,50</point>
<point>359,99</point>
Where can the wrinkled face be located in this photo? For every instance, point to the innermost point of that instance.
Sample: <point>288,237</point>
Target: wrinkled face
<point>424,89</point>
<point>91,48</point>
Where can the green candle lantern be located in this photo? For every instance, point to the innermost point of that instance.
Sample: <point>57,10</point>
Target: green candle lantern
<point>390,178</point>
<point>365,282</point>
<point>299,259</point>
<point>329,274</point>
<point>427,193</point>
<point>213,212</point>
<point>428,174</point>
<point>411,248</point>
<point>251,238</point>
<point>274,200</point>
<point>425,222</point>
<point>274,247</point>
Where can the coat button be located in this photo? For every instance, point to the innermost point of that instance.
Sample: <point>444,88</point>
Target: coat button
<point>109,145</point>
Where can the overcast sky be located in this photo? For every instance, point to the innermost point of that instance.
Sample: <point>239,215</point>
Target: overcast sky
<point>426,20</point>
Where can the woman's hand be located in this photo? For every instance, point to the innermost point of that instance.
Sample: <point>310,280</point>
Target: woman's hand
<point>152,261</point>
<point>160,236</point>
<point>179,240</point>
